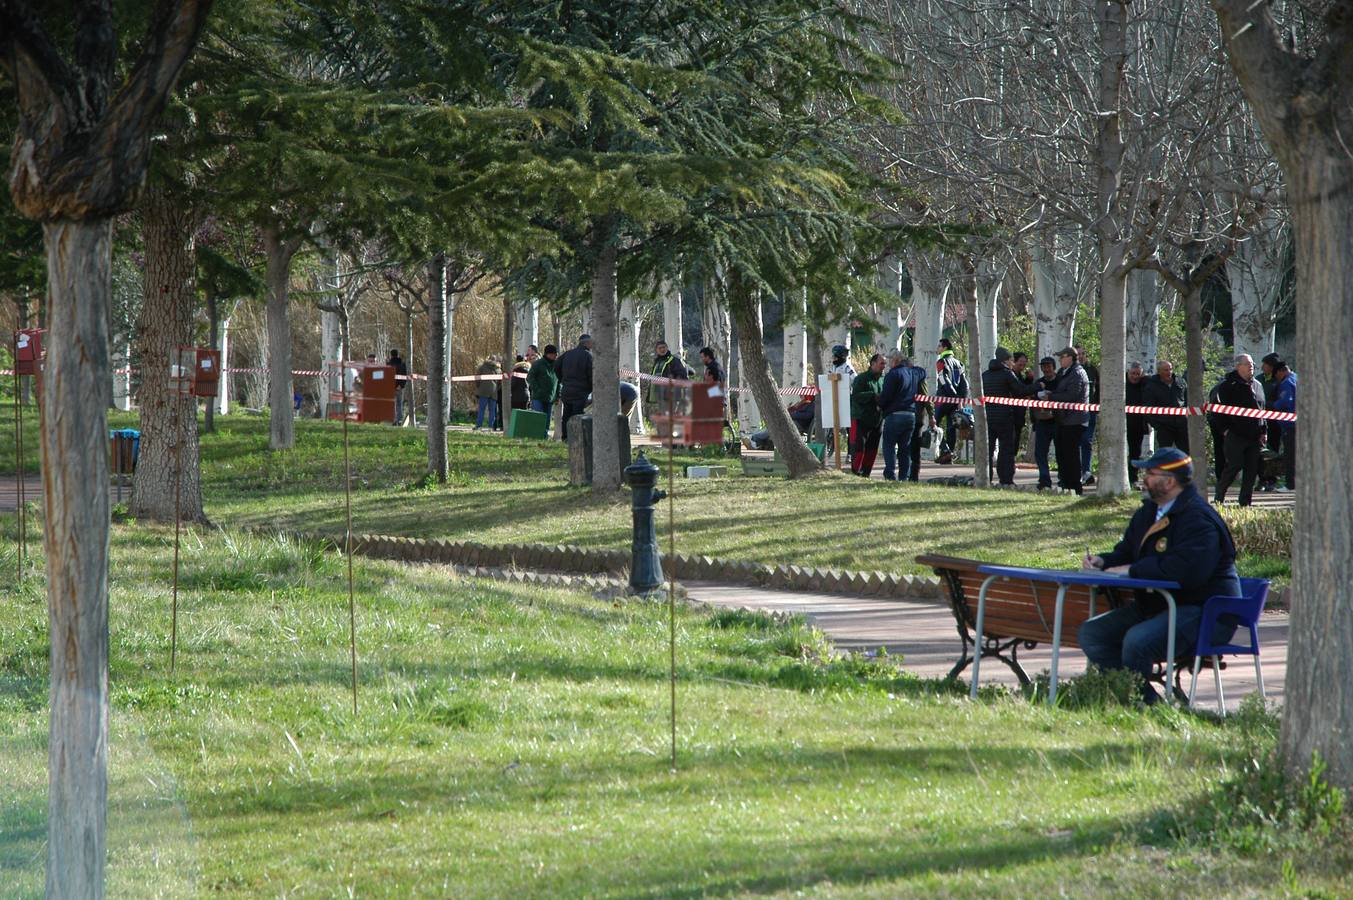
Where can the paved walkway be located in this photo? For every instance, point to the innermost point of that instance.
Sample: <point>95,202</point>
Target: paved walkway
<point>927,638</point>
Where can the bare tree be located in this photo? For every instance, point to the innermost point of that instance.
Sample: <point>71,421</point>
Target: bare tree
<point>1302,96</point>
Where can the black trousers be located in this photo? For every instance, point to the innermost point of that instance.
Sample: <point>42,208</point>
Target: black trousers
<point>1218,446</point>
<point>1067,442</point>
<point>1290,457</point>
<point>1136,436</point>
<point>1242,458</point>
<point>915,473</point>
<point>1172,432</point>
<point>1002,435</point>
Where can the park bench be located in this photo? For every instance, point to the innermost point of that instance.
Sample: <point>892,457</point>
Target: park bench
<point>1018,614</point>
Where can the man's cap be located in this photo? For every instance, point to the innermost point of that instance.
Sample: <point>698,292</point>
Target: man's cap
<point>1002,354</point>
<point>840,350</point>
<point>1047,360</point>
<point>1168,459</point>
<point>1067,351</point>
<point>584,338</point>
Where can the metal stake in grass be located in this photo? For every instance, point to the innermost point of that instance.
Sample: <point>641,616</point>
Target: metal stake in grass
<point>671,561</point>
<point>176,385</point>
<point>347,498</point>
<point>18,456</point>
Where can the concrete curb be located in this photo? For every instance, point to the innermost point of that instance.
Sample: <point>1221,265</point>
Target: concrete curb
<point>615,564</point>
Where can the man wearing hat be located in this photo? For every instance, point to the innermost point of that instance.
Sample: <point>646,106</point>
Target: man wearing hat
<point>575,381</point>
<point>1176,535</point>
<point>999,380</point>
<point>1073,386</point>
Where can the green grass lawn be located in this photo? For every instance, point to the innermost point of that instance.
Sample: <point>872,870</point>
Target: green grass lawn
<point>503,491</point>
<point>513,741</point>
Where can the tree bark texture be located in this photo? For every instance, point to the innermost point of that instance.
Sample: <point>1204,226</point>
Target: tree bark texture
<point>972,297</point>
<point>1054,295</point>
<point>281,412</point>
<point>227,379</point>
<point>629,357</point>
<point>928,293</point>
<point>794,366</point>
<point>1198,389</point>
<point>606,462</point>
<point>672,323</point>
<point>75,485</point>
<point>213,340</point>
<point>748,415</point>
<point>169,444</point>
<point>715,327</point>
<point>1144,295</point>
<point>1256,274</point>
<point>505,386</point>
<point>1111,426</point>
<point>528,325</point>
<point>799,460</point>
<point>436,410</point>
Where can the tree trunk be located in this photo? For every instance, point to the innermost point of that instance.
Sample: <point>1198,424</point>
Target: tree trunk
<point>748,415</point>
<point>1256,277</point>
<point>606,462</point>
<point>1054,294</point>
<point>1111,426</point>
<point>794,367</point>
<point>972,297</point>
<point>407,387</point>
<point>281,415</point>
<point>672,323</point>
<point>528,325</point>
<point>213,337</point>
<point>437,388</point>
<point>505,386</point>
<point>227,379</point>
<point>168,422</point>
<point>1197,387</point>
<point>928,294</point>
<point>715,327</point>
<point>799,460</point>
<point>330,339</point>
<point>629,358</point>
<point>450,334</point>
<point>75,485</point>
<point>1318,708</point>
<point>1144,296</point>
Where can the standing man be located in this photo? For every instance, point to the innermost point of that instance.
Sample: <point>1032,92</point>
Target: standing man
<point>487,389</point>
<point>999,380</point>
<point>574,369</point>
<point>897,406</point>
<point>543,383</point>
<point>665,365</point>
<point>866,420</point>
<point>1174,536</point>
<point>1137,429</point>
<point>950,381</point>
<point>1285,400</point>
<point>1088,439</point>
<point>1072,386</point>
<point>1019,364</point>
<point>1045,423</point>
<point>1164,389</point>
<point>1243,434</point>
<point>715,374</point>
<point>841,362</point>
<point>401,382</point>
<point>1273,432</point>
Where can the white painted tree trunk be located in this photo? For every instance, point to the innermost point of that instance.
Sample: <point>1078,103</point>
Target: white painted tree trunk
<point>628,330</point>
<point>977,298</point>
<point>989,298</point>
<point>122,375</point>
<point>672,323</point>
<point>330,336</point>
<point>227,377</point>
<point>437,388</point>
<point>794,367</point>
<point>1144,295</point>
<point>928,293</point>
<point>749,418</point>
<point>893,316</point>
<point>446,364</point>
<point>833,334</point>
<point>74,439</point>
<point>716,329</point>
<point>1256,275</point>
<point>606,462</point>
<point>527,321</point>
<point>1055,293</point>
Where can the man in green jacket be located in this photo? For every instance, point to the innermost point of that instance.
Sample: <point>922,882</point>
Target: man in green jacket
<point>866,421</point>
<point>543,382</point>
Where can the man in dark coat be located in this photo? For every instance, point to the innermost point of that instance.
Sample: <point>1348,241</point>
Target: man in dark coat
<point>575,381</point>
<point>950,381</point>
<point>866,422</point>
<point>1072,387</point>
<point>665,365</point>
<point>1137,429</point>
<point>396,362</point>
<point>542,381</point>
<point>1175,536</point>
<point>1165,389</point>
<point>1244,435</point>
<point>1003,420</point>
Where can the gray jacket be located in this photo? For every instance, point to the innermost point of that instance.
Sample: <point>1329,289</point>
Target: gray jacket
<point>1073,386</point>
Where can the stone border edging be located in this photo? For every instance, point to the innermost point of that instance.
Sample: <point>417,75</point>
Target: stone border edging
<point>615,563</point>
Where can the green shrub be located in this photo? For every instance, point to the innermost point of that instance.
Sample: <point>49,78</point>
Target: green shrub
<point>1260,532</point>
<point>1095,689</point>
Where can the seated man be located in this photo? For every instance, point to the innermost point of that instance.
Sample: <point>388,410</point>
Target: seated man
<point>804,413</point>
<point>1176,535</point>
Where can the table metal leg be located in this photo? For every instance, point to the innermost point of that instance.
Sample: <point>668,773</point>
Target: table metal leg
<point>1056,643</point>
<point>1169,647</point>
<point>977,638</point>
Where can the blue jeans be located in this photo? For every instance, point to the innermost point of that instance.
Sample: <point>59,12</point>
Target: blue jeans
<point>540,406</point>
<point>1088,445</point>
<point>1126,639</point>
<point>488,409</point>
<point>897,429</point>
<point>1043,432</point>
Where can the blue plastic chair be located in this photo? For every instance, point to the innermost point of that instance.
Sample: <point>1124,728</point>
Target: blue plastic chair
<point>1245,612</point>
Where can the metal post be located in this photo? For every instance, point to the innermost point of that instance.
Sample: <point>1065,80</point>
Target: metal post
<point>347,499</point>
<point>1056,644</point>
<point>18,456</point>
<point>671,557</point>
<point>977,637</point>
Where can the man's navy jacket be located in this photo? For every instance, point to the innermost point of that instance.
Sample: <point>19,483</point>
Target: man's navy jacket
<point>1190,544</point>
